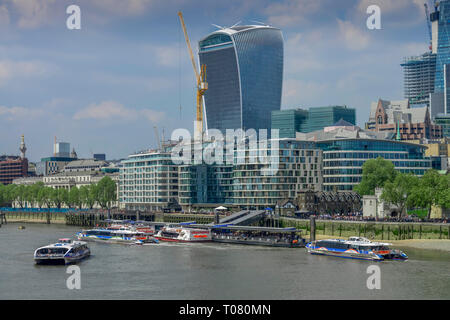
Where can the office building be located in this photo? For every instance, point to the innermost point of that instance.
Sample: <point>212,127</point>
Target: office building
<point>91,165</point>
<point>443,120</point>
<point>440,20</point>
<point>56,163</point>
<point>346,148</point>
<point>244,68</point>
<point>51,165</point>
<point>419,73</point>
<point>100,156</point>
<point>400,119</point>
<point>321,117</point>
<point>291,121</point>
<point>61,149</point>
<point>288,122</point>
<point>12,167</point>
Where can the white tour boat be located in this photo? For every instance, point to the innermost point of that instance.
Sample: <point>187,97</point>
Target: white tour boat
<point>65,251</point>
<point>183,234</point>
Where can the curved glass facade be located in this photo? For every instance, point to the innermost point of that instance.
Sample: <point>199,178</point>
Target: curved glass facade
<point>343,160</point>
<point>244,77</point>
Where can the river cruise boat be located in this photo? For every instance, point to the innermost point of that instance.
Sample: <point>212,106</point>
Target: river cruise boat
<point>65,251</point>
<point>183,234</point>
<point>122,234</point>
<point>355,248</point>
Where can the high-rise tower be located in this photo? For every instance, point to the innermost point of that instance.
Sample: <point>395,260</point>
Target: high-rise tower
<point>245,73</point>
<point>22,148</point>
<point>440,20</point>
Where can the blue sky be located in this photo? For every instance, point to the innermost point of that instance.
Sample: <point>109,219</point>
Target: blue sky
<point>104,87</point>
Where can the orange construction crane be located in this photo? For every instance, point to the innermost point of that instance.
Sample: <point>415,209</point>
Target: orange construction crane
<point>202,85</point>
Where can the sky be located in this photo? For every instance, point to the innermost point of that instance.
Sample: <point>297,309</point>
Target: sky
<point>104,87</point>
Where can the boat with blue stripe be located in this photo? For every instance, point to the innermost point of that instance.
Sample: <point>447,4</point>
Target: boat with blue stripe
<point>116,235</point>
<point>355,248</point>
<point>65,251</point>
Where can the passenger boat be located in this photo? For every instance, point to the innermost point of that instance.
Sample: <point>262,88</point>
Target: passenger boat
<point>116,234</point>
<point>65,251</point>
<point>355,248</point>
<point>182,234</point>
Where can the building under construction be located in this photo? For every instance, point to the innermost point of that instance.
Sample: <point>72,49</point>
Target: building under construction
<point>419,73</point>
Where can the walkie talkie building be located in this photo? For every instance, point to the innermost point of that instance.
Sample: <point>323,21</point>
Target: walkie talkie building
<point>244,67</point>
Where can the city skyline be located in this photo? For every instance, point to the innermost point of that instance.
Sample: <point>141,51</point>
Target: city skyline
<point>104,87</point>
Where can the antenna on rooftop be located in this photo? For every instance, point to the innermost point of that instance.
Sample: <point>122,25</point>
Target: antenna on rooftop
<point>259,22</point>
<point>219,27</point>
<point>234,25</point>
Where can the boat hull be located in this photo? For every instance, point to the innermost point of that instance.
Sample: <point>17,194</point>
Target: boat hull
<point>164,239</point>
<point>107,239</point>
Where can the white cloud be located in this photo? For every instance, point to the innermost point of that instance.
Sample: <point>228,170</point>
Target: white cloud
<point>4,16</point>
<point>34,13</point>
<point>298,93</point>
<point>14,113</point>
<point>354,37</point>
<point>300,52</point>
<point>389,6</point>
<point>123,7</point>
<point>152,115</point>
<point>291,12</point>
<point>166,56</point>
<point>109,110</point>
<point>22,69</point>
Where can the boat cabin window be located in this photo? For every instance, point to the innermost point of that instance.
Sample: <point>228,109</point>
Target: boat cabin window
<point>332,244</point>
<point>52,251</point>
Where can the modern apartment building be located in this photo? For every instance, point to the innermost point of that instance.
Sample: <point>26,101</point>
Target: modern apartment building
<point>148,181</point>
<point>205,184</point>
<point>299,168</point>
<point>244,67</point>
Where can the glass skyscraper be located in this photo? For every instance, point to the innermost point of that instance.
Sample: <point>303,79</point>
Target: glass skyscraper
<point>244,68</point>
<point>441,30</point>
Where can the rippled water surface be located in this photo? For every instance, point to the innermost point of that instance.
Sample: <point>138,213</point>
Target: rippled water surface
<point>210,271</point>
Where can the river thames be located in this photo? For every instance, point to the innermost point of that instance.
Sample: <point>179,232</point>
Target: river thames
<point>210,271</point>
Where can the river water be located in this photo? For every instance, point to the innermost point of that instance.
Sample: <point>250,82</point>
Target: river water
<point>210,271</point>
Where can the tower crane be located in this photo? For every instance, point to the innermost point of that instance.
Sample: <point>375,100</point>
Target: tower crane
<point>202,85</point>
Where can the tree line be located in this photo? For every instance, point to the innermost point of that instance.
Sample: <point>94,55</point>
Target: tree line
<point>405,190</point>
<point>38,195</point>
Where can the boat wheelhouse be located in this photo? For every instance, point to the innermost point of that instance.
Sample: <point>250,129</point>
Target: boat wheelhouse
<point>65,251</point>
<point>355,248</point>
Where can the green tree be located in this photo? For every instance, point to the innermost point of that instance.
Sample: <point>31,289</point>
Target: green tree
<point>399,191</point>
<point>74,198</point>
<point>87,196</point>
<point>376,172</point>
<point>432,190</point>
<point>105,192</point>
